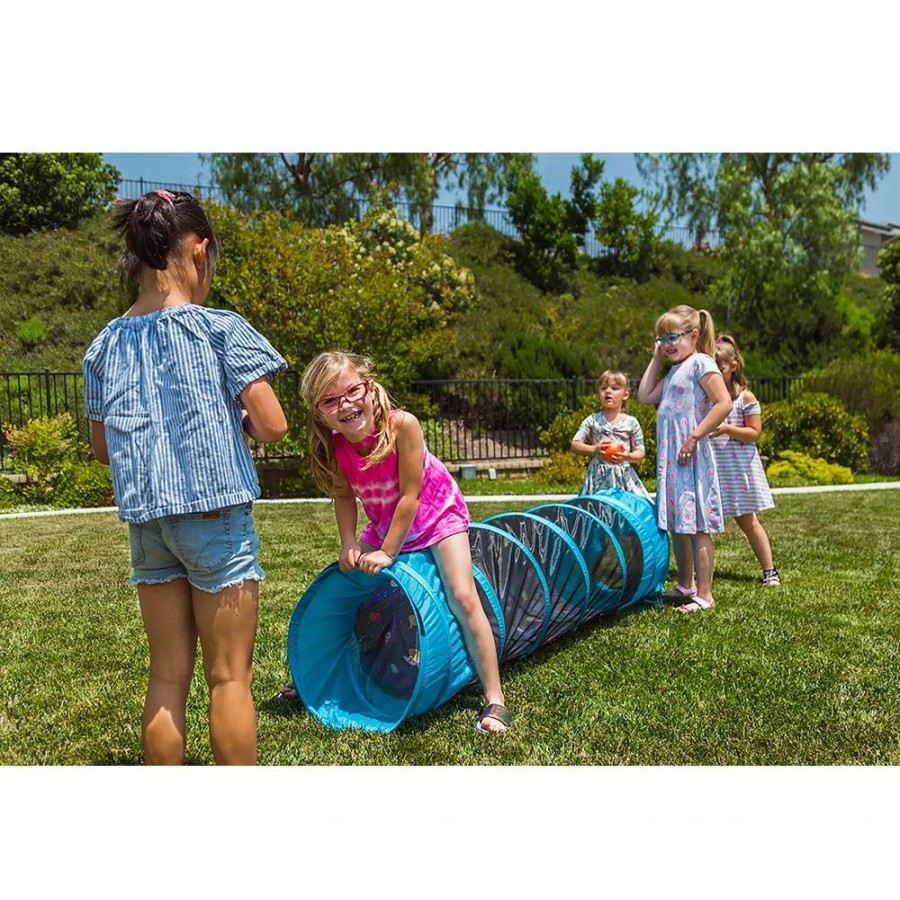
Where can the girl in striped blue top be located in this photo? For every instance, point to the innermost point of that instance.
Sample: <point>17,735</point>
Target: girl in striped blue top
<point>172,390</point>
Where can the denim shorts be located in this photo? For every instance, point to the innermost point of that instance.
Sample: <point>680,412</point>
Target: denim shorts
<point>213,550</point>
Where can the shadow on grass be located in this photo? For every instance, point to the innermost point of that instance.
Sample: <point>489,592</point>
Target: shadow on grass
<point>719,575</point>
<point>470,697</point>
<point>276,708</point>
<point>130,759</point>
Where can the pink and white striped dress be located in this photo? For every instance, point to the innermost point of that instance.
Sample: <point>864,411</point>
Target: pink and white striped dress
<point>742,479</point>
<point>442,510</point>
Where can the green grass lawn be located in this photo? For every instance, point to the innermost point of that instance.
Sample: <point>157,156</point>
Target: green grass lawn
<point>805,674</point>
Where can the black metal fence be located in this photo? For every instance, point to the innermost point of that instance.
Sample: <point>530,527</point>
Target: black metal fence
<point>444,218</point>
<point>31,395</point>
<point>463,419</point>
<point>132,188</point>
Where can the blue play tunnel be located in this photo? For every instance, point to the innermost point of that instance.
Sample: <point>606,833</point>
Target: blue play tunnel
<point>369,651</point>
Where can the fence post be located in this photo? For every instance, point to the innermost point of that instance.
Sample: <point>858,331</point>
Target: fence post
<point>574,381</point>
<point>47,388</point>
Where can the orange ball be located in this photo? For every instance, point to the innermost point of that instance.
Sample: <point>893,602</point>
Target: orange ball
<point>610,450</point>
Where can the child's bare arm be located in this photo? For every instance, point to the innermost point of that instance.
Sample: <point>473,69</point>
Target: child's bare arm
<point>749,432</point>
<point>410,456</point>
<point>346,514</point>
<point>98,442</point>
<point>651,386</point>
<point>714,386</point>
<point>584,448</point>
<point>265,421</point>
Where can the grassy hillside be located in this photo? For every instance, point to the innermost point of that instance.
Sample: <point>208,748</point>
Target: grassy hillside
<point>600,322</point>
<point>58,288</point>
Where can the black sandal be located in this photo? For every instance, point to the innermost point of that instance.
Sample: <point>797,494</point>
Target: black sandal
<point>494,711</point>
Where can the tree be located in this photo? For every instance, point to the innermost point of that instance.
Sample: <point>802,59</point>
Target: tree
<point>481,176</point>
<point>788,222</point>
<point>315,188</point>
<point>686,184</point>
<point>323,188</point>
<point>52,190</point>
<point>889,265</point>
<point>373,286</point>
<point>628,235</point>
<point>551,228</point>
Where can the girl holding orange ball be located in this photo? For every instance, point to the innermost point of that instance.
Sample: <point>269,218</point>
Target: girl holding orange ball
<point>612,439</point>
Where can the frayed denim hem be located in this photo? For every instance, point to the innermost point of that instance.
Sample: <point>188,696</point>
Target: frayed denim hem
<point>227,584</point>
<point>135,580</point>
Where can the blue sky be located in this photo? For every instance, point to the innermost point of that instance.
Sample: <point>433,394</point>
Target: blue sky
<point>881,205</point>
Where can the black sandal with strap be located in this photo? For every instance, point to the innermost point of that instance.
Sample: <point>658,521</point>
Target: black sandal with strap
<point>494,711</point>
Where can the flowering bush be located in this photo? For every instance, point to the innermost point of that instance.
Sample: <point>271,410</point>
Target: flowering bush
<point>374,287</point>
<point>42,449</point>
<point>798,469</point>
<point>817,425</point>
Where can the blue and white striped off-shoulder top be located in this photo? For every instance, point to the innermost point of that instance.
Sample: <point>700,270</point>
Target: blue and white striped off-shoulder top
<point>165,385</point>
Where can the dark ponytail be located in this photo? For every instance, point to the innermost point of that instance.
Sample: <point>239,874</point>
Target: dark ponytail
<point>155,227</point>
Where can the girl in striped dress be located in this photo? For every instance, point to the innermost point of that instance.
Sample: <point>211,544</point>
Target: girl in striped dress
<point>172,389</point>
<point>742,480</point>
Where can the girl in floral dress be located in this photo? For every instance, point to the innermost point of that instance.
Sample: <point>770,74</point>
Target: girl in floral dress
<point>692,401</point>
<point>612,439</point>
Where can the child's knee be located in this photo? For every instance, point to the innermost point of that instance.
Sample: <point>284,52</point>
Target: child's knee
<point>221,672</point>
<point>466,600</point>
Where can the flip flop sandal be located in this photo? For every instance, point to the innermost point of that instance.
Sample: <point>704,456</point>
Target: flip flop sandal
<point>679,594</point>
<point>493,711</point>
<point>695,604</point>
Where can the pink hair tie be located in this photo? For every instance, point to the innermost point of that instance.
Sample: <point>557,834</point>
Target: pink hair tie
<point>166,195</point>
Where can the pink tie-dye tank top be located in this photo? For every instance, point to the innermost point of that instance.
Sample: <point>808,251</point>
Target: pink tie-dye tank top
<point>442,510</point>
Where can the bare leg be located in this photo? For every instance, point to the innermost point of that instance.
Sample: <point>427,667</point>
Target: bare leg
<point>704,559</point>
<point>684,558</point>
<point>759,540</point>
<point>454,562</point>
<point>227,625</point>
<point>172,635</point>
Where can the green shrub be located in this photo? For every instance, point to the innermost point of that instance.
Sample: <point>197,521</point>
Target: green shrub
<point>557,436</point>
<point>561,470</point>
<point>696,270</point>
<point>67,280</point>
<point>50,190</point>
<point>818,425</point>
<point>83,486</point>
<point>868,385</point>
<point>477,243</point>
<point>374,286</point>
<point>889,264</point>
<point>42,448</point>
<point>797,469</point>
<point>31,332</point>
<point>10,497</point>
